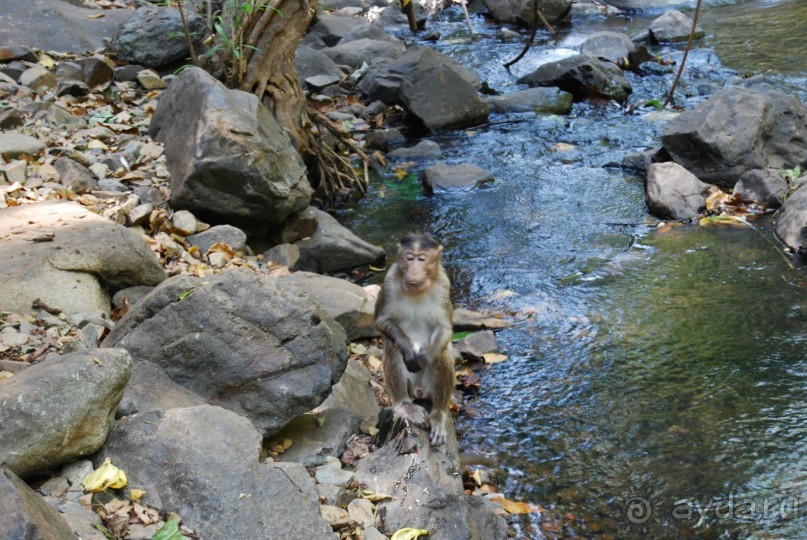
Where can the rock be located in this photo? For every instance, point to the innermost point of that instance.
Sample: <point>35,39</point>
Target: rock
<point>71,400</point>
<point>522,11</point>
<point>14,145</point>
<point>38,76</point>
<point>425,484</point>
<point>441,97</point>
<point>367,31</point>
<point>150,389</point>
<point>384,138</point>
<point>354,393</point>
<point>242,340</point>
<point>332,28</point>
<point>332,475</point>
<point>462,177</point>
<point>317,436</point>
<point>474,346</point>
<point>75,176</point>
<point>362,511</point>
<point>335,516</point>
<point>582,76</point>
<point>609,46</point>
<point>650,5</point>
<point>63,253</point>
<point>140,214</point>
<point>300,225</point>
<point>538,100</point>
<point>150,80</point>
<point>333,247</point>
<point>11,118</point>
<point>24,514</point>
<point>283,255</point>
<point>764,186</point>
<point>673,26</point>
<point>791,221</point>
<point>59,117</point>
<point>72,88</point>
<point>311,63</point>
<point>96,71</point>
<point>240,167</point>
<point>153,37</point>
<point>132,295</point>
<point>15,171</point>
<point>425,149</point>
<point>738,130</point>
<point>86,338</point>
<point>9,53</point>
<point>127,73</point>
<point>184,222</point>
<point>353,53</point>
<point>465,319</point>
<point>202,463</point>
<point>225,234</point>
<point>318,82</point>
<point>672,192</point>
<point>346,302</point>
<point>371,533</point>
<point>69,71</point>
<point>335,495</point>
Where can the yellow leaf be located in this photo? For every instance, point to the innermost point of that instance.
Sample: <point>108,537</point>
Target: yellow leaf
<point>95,16</point>
<point>104,477</point>
<point>46,60</point>
<point>357,348</point>
<point>136,494</point>
<point>716,199</point>
<point>723,219</point>
<point>517,507</point>
<point>563,147</point>
<point>494,358</point>
<point>408,534</point>
<point>375,363</point>
<point>95,143</point>
<point>372,496</point>
<point>477,476</point>
<point>400,174</point>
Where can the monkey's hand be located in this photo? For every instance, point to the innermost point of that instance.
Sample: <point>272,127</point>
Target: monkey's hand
<point>414,361</point>
<point>437,433</point>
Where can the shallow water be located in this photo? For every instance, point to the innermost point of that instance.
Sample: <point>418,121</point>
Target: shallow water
<point>660,369</point>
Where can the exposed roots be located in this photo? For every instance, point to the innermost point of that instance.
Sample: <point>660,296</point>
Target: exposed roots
<point>330,171</point>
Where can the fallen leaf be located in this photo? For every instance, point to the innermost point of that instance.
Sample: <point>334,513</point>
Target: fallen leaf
<point>408,534</point>
<point>104,477</point>
<point>722,219</point>
<point>169,531</point>
<point>136,494</point>
<point>95,16</point>
<point>46,61</point>
<point>357,348</point>
<point>372,496</point>
<point>517,507</point>
<point>494,358</point>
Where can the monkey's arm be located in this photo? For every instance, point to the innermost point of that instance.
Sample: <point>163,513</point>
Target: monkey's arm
<point>392,332</point>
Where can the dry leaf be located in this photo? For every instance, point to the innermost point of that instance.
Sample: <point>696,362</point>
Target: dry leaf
<point>516,507</point>
<point>409,534</point>
<point>104,477</point>
<point>494,358</point>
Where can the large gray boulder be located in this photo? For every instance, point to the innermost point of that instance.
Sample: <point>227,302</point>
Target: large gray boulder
<point>608,46</point>
<point>541,100</point>
<point>672,192</point>
<point>63,255</point>
<point>333,248</point>
<point>425,485</point>
<point>203,463</point>
<point>583,76</point>
<point>354,53</point>
<point>60,409</point>
<point>153,36</point>
<point>354,393</point>
<point>765,186</point>
<point>737,130</point>
<point>791,222</point>
<point>522,11</point>
<point>319,436</point>
<point>229,158</point>
<point>346,302</point>
<point>673,26</point>
<point>248,342</point>
<point>332,28</point>
<point>312,62</point>
<point>24,514</point>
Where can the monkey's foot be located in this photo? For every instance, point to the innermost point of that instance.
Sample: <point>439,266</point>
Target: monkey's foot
<point>409,411</point>
<point>438,433</point>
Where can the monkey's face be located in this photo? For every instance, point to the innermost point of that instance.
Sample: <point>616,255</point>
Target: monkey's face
<point>418,268</point>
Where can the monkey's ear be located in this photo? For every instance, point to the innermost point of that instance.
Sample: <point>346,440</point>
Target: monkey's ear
<point>440,250</point>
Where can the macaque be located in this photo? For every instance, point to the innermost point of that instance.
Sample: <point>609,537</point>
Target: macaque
<point>413,313</point>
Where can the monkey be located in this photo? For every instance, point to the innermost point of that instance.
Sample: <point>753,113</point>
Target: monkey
<point>413,314</point>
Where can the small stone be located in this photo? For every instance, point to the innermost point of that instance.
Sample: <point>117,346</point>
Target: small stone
<point>226,234</point>
<point>38,76</point>
<point>151,150</point>
<point>328,474</point>
<point>283,255</point>
<point>462,177</point>
<point>362,512</point>
<point>505,34</point>
<point>13,52</point>
<point>11,118</point>
<point>335,516</point>
<point>14,145</point>
<point>69,71</point>
<point>100,170</point>
<point>335,495</point>
<point>15,171</point>
<point>74,175</point>
<point>111,185</point>
<point>11,338</point>
<point>171,248</point>
<point>217,259</point>
<point>184,222</point>
<point>321,81</point>
<point>72,88</point>
<point>161,172</point>
<point>150,80</point>
<point>127,73</point>
<point>97,71</point>
<point>371,533</point>
<point>48,173</point>
<point>139,215</point>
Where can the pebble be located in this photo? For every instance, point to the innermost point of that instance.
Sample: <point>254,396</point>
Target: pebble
<point>10,337</point>
<point>38,76</point>
<point>14,144</point>
<point>15,171</point>
<point>331,475</point>
<point>362,512</point>
<point>139,215</point>
<point>149,80</point>
<point>335,516</point>
<point>151,150</point>
<point>100,170</point>
<point>184,222</point>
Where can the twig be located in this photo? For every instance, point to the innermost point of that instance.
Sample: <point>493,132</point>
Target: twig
<point>536,14</point>
<point>686,53</point>
<point>468,18</point>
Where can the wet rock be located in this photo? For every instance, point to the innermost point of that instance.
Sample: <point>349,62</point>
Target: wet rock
<point>522,11</point>
<point>241,167</point>
<point>71,400</point>
<point>538,100</point>
<point>316,436</point>
<point>332,28</point>
<point>462,177</point>
<point>346,302</point>
<point>154,37</point>
<point>11,118</point>
<point>312,63</point>
<point>72,88</point>
<point>333,247</point>
<point>196,461</point>
<point>63,249</point>
<point>609,46</point>
<point>673,26</point>
<point>38,76</point>
<point>791,221</point>
<point>473,346</point>
<point>672,192</point>
<point>738,130</point>
<point>9,53</point>
<point>241,340</point>
<point>140,214</point>
<point>764,186</point>
<point>95,71</point>
<point>426,487</point>
<point>465,319</point>
<point>24,514</point>
<point>225,234</point>
<point>425,149</point>
<point>353,53</point>
<point>14,145</point>
<point>582,76</point>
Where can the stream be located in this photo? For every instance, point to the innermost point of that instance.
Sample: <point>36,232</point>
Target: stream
<point>656,384</point>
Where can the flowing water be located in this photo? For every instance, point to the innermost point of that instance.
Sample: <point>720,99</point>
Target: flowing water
<point>657,376</point>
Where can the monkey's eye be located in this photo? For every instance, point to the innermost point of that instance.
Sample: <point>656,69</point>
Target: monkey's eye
<point>410,256</point>
<point>422,258</point>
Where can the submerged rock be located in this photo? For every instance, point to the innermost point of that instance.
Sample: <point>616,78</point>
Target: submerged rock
<point>673,26</point>
<point>462,177</point>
